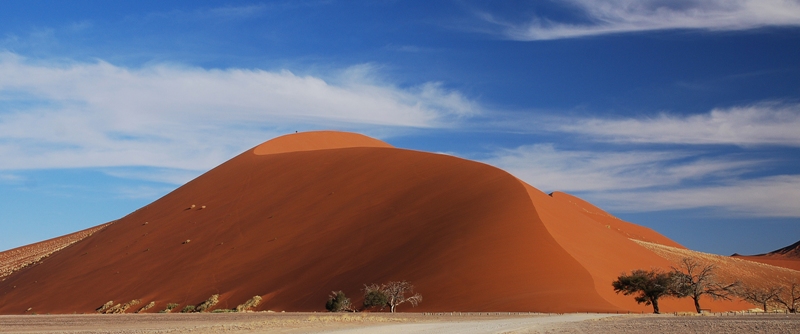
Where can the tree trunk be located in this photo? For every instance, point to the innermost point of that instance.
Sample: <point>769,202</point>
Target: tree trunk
<point>697,304</point>
<point>765,307</point>
<point>655,306</point>
<point>392,307</point>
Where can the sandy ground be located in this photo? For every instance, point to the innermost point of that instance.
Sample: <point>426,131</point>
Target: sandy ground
<point>753,323</point>
<point>397,323</point>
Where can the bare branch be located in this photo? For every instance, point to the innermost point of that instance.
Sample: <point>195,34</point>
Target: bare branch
<point>759,296</point>
<point>695,280</point>
<point>790,298</point>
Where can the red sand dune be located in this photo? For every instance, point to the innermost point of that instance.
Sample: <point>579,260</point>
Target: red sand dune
<point>787,257</point>
<point>304,214</point>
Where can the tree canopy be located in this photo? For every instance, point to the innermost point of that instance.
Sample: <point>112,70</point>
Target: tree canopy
<point>648,285</point>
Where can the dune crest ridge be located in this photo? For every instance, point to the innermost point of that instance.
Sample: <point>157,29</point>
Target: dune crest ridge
<point>306,214</point>
<point>316,140</point>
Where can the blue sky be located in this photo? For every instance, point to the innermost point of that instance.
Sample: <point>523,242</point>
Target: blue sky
<point>682,115</point>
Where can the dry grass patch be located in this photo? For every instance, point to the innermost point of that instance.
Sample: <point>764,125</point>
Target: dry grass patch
<point>728,268</point>
<point>169,308</point>
<point>249,304</point>
<point>146,307</point>
<point>105,306</point>
<point>208,304</point>
<point>15,259</point>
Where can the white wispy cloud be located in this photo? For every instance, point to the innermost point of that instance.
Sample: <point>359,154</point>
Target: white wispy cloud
<point>141,192</point>
<point>551,169</point>
<point>642,181</point>
<point>621,16</point>
<point>214,13</point>
<point>772,196</point>
<point>760,124</point>
<point>160,175</point>
<point>11,178</point>
<point>56,115</point>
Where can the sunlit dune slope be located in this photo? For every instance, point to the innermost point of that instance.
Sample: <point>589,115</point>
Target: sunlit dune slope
<point>628,230</point>
<point>305,214</point>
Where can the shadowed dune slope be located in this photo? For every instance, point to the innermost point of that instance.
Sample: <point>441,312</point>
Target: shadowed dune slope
<point>305,214</point>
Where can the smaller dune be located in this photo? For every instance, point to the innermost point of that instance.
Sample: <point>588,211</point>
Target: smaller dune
<point>787,257</point>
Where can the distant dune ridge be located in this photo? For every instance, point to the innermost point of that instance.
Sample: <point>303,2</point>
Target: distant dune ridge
<point>305,214</point>
<point>787,257</point>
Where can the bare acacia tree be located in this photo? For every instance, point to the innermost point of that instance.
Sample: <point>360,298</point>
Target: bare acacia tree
<point>390,294</point>
<point>790,298</point>
<point>396,294</point>
<point>758,296</point>
<point>695,280</point>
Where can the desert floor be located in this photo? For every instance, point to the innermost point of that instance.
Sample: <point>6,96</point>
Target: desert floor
<point>399,323</point>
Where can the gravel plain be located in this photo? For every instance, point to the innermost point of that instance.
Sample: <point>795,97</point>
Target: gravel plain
<point>398,323</point>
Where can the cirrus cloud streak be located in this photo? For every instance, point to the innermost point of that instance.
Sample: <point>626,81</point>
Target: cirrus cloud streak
<point>759,124</point>
<point>624,16</point>
<point>645,181</point>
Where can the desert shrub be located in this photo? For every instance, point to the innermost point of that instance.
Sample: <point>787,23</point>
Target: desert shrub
<point>113,309</point>
<point>188,309</point>
<point>338,302</point>
<point>117,309</point>
<point>250,303</point>
<point>146,307</point>
<point>169,308</point>
<point>105,306</point>
<point>209,303</point>
<point>374,297</point>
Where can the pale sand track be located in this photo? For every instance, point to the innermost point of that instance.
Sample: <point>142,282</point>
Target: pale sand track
<point>509,325</point>
<point>397,323</point>
<point>283,323</point>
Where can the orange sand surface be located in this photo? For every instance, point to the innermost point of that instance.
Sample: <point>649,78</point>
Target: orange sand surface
<point>305,214</point>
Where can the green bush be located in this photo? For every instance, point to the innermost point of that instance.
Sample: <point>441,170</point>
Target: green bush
<point>338,302</point>
<point>375,298</point>
<point>169,308</point>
